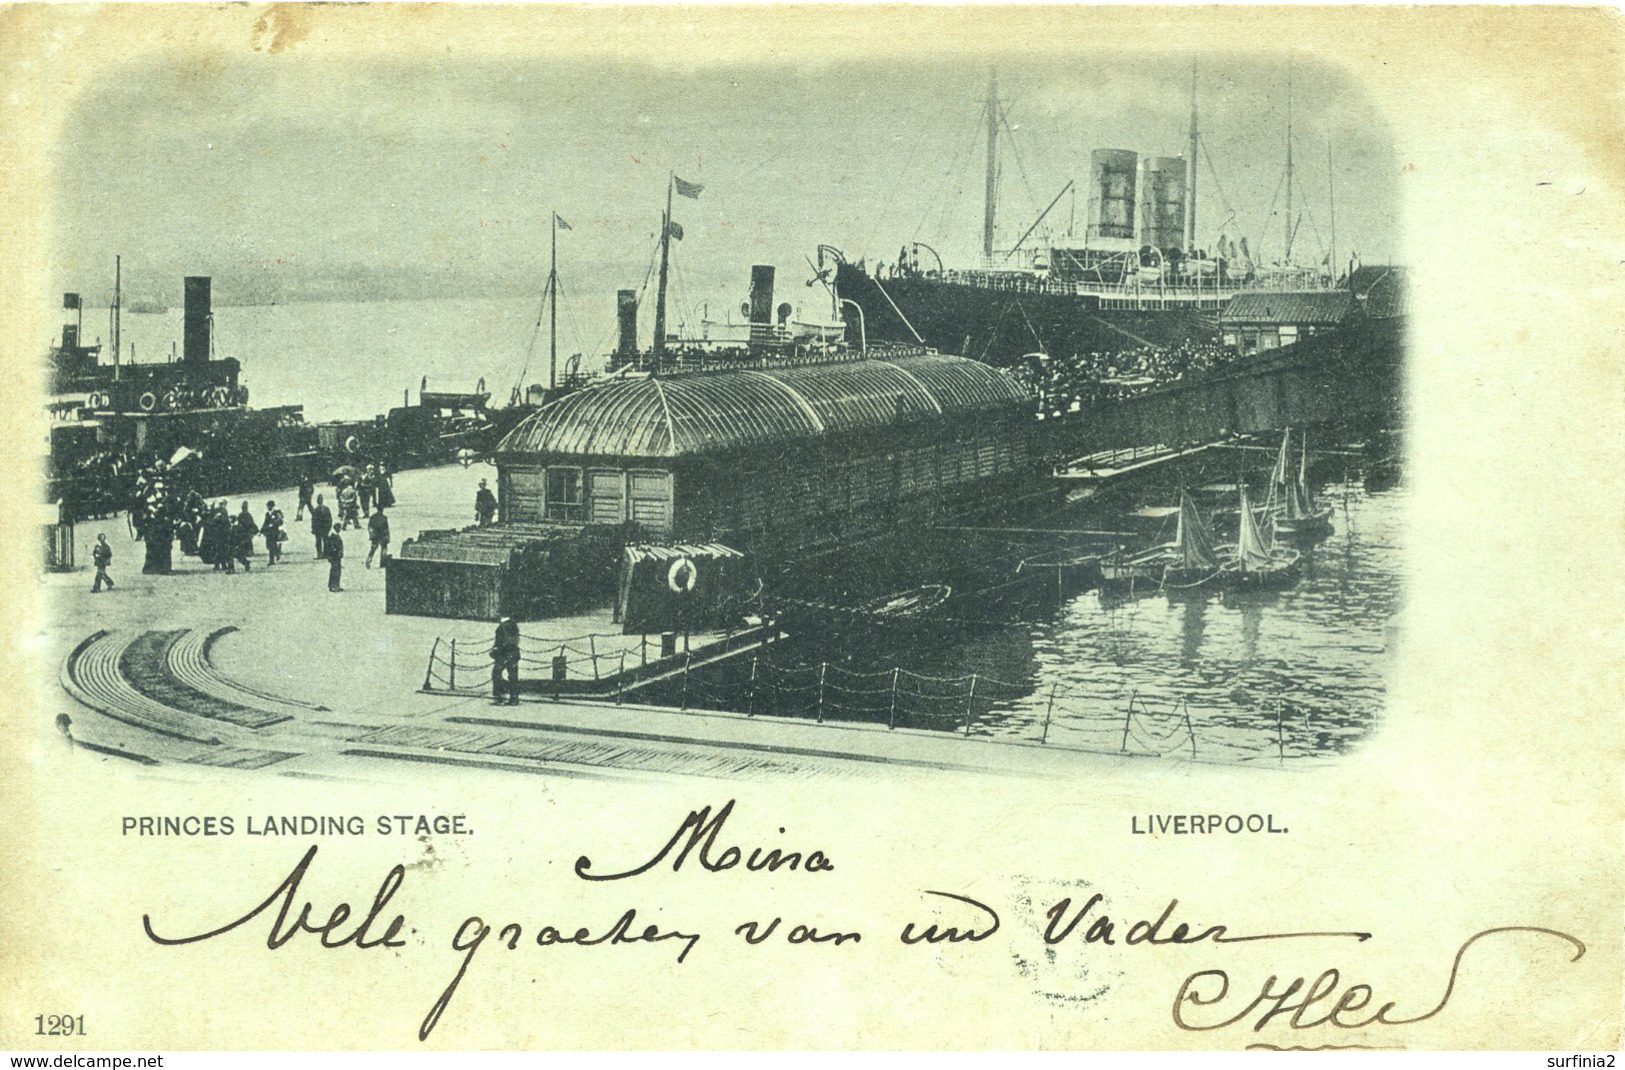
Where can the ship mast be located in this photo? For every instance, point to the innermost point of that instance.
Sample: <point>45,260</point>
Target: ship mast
<point>553,310</point>
<point>992,197</point>
<point>1331,194</point>
<point>1190,172</point>
<point>665,256</point>
<point>118,308</point>
<point>1286,260</point>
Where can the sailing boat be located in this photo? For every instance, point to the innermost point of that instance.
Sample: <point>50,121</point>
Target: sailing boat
<point>1189,561</point>
<point>1256,562</point>
<point>1297,514</point>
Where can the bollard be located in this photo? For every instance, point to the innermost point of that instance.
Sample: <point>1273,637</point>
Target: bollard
<point>1189,728</point>
<point>686,663</point>
<point>668,644</point>
<point>561,668</point>
<point>643,648</point>
<point>1048,710</point>
<point>620,680</point>
<point>452,685</point>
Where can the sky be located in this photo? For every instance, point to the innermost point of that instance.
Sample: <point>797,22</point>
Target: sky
<point>301,177</point>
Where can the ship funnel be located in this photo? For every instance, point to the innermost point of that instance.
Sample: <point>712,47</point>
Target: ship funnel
<point>1162,202</point>
<point>1112,193</point>
<point>626,316</point>
<point>761,293</point>
<point>198,325</point>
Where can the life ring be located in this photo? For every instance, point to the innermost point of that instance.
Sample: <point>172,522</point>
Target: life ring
<point>148,402</point>
<point>242,395</point>
<point>219,397</point>
<point>682,576</point>
<point>351,444</point>
<point>172,400</point>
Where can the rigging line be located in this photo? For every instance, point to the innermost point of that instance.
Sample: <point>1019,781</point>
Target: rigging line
<point>899,180</point>
<point>536,331</point>
<point>957,182</point>
<point>947,175</point>
<point>1224,199</point>
<point>1015,149</point>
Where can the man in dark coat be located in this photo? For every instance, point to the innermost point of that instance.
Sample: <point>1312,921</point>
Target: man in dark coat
<point>386,489</point>
<point>246,529</point>
<point>321,522</point>
<point>335,559</point>
<point>218,539</point>
<point>365,486</point>
<point>378,533</point>
<point>505,662</point>
<point>485,505</point>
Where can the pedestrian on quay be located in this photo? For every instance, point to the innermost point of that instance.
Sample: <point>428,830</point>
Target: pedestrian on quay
<point>243,544</point>
<point>272,529</point>
<point>386,488</point>
<point>505,662</point>
<point>219,538</point>
<point>321,522</point>
<point>349,506</point>
<point>102,555</point>
<point>335,559</point>
<point>378,533</point>
<point>307,487</point>
<point>485,505</point>
<point>366,488</point>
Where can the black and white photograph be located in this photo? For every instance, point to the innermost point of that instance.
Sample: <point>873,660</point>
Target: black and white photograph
<point>925,527</point>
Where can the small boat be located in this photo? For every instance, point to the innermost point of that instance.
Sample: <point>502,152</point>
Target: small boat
<point>1189,561</point>
<point>898,609</point>
<point>1297,515</point>
<point>1255,562</point>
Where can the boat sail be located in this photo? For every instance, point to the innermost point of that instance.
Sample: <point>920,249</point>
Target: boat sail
<point>1296,513</point>
<point>1256,561</point>
<point>1189,561</point>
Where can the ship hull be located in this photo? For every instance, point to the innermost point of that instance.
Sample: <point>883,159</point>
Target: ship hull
<point>1001,326</point>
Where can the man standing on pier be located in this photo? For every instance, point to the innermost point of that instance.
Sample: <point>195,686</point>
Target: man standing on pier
<point>102,555</point>
<point>321,522</point>
<point>307,487</point>
<point>505,662</point>
<point>272,530</point>
<point>335,559</point>
<point>366,486</point>
<point>485,505</point>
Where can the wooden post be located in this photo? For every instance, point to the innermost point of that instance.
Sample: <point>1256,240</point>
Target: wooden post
<point>1280,733</point>
<point>452,685</point>
<point>892,721</point>
<point>1048,710</point>
<point>620,680</point>
<point>643,648</point>
<point>686,662</point>
<point>823,666</point>
<point>970,701</point>
<point>1127,718</point>
<point>592,650</point>
<point>750,701</point>
<point>428,673</point>
<point>1189,728</point>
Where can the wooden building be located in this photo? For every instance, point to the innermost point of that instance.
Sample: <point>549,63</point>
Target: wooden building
<point>1261,320</point>
<point>775,457</point>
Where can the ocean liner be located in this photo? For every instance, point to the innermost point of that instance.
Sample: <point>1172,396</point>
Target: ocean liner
<point>1137,276</point>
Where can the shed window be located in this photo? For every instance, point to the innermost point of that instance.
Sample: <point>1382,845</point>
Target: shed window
<point>564,495</point>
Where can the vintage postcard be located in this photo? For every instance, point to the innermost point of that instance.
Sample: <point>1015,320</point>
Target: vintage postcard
<point>812,527</point>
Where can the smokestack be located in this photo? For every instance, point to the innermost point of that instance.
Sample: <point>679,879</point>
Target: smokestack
<point>626,314</point>
<point>199,321</point>
<point>761,294</point>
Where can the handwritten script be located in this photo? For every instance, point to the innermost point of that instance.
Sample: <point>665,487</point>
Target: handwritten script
<point>1203,1002</point>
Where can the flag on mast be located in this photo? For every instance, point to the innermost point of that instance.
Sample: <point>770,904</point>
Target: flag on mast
<point>691,190</point>
<point>560,221</point>
<point>675,229</point>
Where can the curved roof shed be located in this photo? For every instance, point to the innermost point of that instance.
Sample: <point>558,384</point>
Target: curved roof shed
<point>745,408</point>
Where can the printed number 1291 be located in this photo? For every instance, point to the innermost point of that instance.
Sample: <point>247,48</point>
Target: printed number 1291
<point>59,1025</point>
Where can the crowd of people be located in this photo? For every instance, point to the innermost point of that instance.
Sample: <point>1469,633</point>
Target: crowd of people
<point>165,509</point>
<point>1064,384</point>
